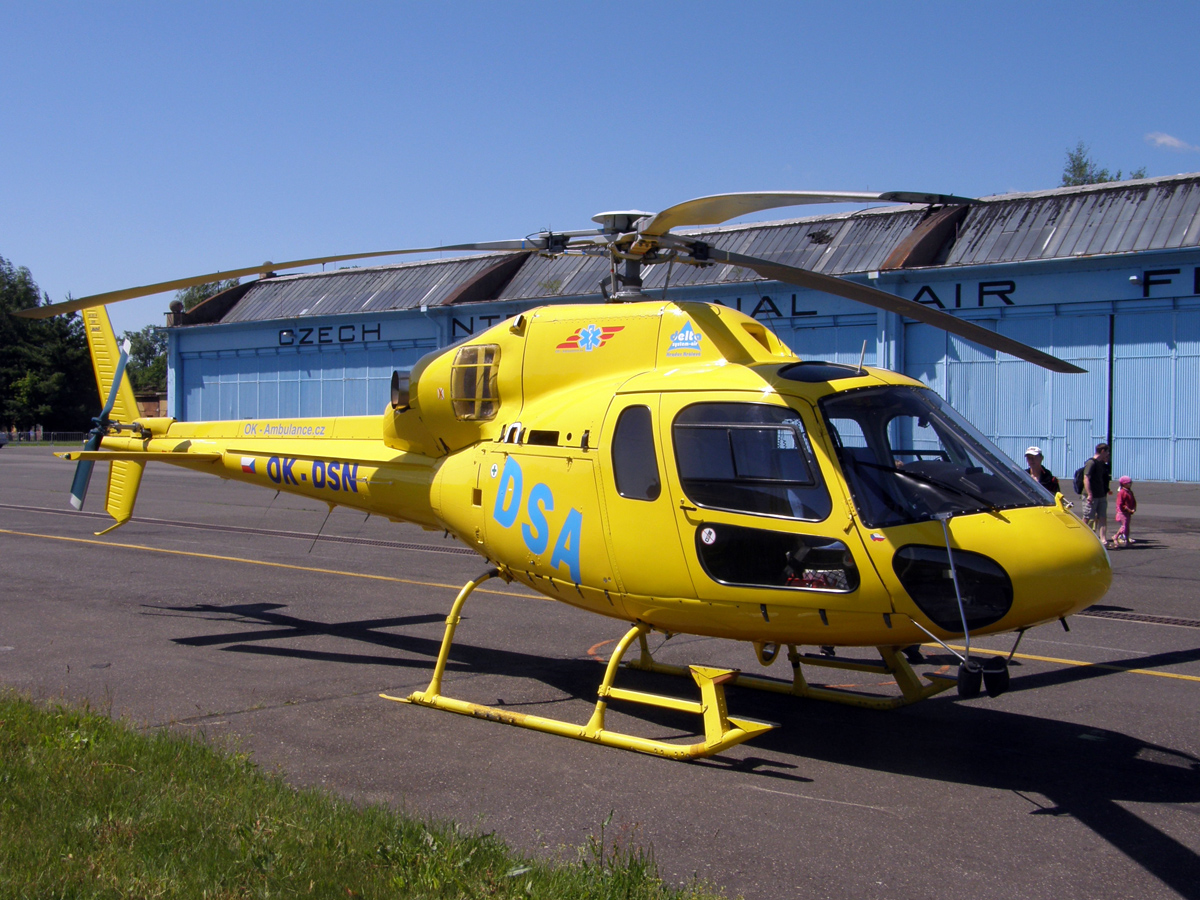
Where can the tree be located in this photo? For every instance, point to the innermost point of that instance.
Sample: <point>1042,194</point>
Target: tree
<point>147,365</point>
<point>1080,169</point>
<point>46,375</point>
<point>197,294</point>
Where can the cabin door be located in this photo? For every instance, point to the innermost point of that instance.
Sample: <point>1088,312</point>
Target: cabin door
<point>643,541</point>
<point>753,507</point>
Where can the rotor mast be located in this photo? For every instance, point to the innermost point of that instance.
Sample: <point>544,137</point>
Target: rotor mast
<point>627,250</point>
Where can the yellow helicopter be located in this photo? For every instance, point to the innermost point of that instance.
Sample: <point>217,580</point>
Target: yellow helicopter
<point>675,466</point>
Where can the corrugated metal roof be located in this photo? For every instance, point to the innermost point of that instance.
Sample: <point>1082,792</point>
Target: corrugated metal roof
<point>372,289</point>
<point>1120,217</point>
<point>834,245</point>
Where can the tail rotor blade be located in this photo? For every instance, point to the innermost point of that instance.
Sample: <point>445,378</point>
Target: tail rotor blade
<point>83,471</point>
<point>79,484</point>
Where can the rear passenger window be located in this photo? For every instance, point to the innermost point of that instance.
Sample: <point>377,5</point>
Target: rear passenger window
<point>473,379</point>
<point>635,466</point>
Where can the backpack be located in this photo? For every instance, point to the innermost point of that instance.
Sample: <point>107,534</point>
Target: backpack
<point>1080,474</point>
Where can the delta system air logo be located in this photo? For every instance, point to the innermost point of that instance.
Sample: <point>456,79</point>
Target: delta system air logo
<point>589,338</point>
<point>685,342</point>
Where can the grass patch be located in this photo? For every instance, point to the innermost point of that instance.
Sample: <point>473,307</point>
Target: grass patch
<point>93,808</point>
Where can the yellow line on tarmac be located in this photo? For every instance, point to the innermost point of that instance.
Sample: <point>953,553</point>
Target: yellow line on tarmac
<point>1077,662</point>
<point>455,587</point>
<point>259,562</point>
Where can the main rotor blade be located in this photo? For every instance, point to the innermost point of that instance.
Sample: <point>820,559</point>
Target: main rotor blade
<point>723,207</point>
<point>56,309</point>
<point>911,309</point>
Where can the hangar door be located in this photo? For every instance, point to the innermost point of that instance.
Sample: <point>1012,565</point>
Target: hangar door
<point>1156,395</point>
<point>1016,403</point>
<point>1155,384</point>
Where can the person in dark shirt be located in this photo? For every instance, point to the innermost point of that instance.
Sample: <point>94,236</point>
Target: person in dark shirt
<point>1096,480</point>
<point>1042,475</point>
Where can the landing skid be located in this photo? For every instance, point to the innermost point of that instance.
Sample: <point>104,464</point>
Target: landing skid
<point>720,731</point>
<point>894,664</point>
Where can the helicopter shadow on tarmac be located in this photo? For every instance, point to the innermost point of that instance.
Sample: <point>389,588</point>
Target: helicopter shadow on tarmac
<point>1086,772</point>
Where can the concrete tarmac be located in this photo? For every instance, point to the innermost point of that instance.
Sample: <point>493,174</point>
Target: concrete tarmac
<point>216,611</point>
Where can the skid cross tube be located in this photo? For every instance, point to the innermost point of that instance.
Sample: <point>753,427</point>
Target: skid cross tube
<point>720,730</point>
<point>894,664</point>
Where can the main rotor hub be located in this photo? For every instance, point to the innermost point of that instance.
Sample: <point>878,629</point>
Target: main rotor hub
<point>634,296</point>
<point>619,221</point>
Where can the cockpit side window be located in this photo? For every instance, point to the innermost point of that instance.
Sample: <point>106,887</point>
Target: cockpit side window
<point>748,457</point>
<point>635,465</point>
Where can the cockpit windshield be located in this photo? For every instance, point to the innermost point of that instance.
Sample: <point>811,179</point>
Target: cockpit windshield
<point>909,456</point>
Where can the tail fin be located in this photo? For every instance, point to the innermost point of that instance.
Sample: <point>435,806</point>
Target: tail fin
<point>105,352</point>
<point>124,476</point>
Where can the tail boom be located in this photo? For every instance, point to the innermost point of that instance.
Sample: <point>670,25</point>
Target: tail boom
<point>358,471</point>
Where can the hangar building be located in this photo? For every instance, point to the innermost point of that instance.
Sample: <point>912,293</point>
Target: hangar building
<point>1105,276</point>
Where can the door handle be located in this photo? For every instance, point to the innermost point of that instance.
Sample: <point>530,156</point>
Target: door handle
<point>683,505</point>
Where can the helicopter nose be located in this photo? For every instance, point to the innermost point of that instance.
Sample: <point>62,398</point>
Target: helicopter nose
<point>1012,571</point>
<point>1084,573</point>
<point>1056,563</point>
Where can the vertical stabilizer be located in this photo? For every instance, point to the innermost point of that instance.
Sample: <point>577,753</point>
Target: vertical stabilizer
<point>124,476</point>
<point>106,354</point>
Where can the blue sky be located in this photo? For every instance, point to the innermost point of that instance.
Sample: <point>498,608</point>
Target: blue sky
<point>148,141</point>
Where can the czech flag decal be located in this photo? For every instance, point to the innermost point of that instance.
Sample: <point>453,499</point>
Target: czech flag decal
<point>248,464</point>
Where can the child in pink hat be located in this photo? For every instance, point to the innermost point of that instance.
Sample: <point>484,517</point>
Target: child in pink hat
<point>1126,506</point>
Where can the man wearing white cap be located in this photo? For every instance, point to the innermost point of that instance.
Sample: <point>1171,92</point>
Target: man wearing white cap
<point>1042,475</point>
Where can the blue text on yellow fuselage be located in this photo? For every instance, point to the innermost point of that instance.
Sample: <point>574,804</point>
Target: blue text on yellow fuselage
<point>536,531</point>
<point>331,474</point>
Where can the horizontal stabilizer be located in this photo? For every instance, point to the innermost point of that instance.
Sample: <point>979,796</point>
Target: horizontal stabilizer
<point>143,456</point>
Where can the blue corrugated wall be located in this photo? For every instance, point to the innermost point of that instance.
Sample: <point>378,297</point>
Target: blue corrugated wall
<point>1155,389</point>
<point>274,383</point>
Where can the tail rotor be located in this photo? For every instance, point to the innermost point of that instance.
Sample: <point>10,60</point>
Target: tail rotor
<point>100,424</point>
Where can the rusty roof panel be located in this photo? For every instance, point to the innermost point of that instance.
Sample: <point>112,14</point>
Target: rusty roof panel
<point>873,240</point>
<point>1187,223</point>
<point>1179,215</point>
<point>1157,225</point>
<point>1120,227</point>
<point>563,276</point>
<point>1141,213</point>
<point>1119,217</point>
<point>1041,225</point>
